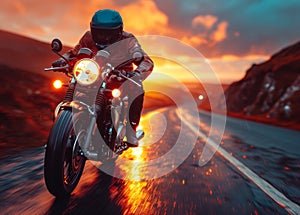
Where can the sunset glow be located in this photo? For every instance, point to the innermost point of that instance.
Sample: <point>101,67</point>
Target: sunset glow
<point>227,37</point>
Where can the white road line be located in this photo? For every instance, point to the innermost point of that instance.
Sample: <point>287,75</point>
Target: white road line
<point>266,187</point>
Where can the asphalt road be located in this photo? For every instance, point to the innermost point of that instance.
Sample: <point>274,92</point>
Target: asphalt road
<point>256,170</point>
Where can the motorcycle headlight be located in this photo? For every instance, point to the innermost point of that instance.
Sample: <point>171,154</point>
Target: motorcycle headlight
<point>86,71</point>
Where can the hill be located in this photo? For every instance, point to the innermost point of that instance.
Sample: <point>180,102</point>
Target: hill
<point>270,91</point>
<point>26,54</point>
<point>27,99</point>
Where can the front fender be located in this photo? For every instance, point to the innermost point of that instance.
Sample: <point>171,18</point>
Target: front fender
<point>57,110</point>
<point>73,105</point>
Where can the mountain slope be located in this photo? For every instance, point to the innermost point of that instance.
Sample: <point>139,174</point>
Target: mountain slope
<point>25,53</point>
<point>27,99</point>
<point>269,90</point>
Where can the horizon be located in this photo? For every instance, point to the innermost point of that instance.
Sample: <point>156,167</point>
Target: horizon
<point>170,68</point>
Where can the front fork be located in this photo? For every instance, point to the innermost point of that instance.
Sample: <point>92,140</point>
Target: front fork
<point>119,116</point>
<point>119,125</point>
<point>119,113</point>
<point>92,155</point>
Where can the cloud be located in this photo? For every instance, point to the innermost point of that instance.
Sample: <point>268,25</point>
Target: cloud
<point>220,33</point>
<point>20,8</point>
<point>212,34</point>
<point>263,26</point>
<point>207,21</point>
<point>195,40</point>
<point>143,17</point>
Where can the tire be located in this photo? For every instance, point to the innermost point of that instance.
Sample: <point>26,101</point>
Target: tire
<point>64,164</point>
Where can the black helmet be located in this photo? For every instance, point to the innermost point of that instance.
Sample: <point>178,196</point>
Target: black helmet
<point>106,27</point>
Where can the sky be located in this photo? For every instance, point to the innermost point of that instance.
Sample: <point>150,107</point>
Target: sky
<point>231,35</point>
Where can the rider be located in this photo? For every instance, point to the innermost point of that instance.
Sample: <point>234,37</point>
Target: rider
<point>106,28</point>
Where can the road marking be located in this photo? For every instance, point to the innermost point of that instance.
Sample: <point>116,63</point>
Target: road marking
<point>266,187</point>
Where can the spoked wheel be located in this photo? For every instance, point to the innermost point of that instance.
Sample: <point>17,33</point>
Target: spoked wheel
<point>64,160</point>
<point>74,160</point>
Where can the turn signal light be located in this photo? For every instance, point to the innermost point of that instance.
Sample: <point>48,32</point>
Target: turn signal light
<point>57,84</point>
<point>116,93</point>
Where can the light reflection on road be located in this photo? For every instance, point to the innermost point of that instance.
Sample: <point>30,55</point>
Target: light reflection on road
<point>136,191</point>
<point>215,188</point>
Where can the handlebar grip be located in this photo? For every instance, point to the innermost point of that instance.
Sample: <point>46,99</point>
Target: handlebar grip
<point>48,69</point>
<point>57,69</point>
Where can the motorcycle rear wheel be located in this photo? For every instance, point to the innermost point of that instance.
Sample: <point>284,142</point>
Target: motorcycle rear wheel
<point>64,160</point>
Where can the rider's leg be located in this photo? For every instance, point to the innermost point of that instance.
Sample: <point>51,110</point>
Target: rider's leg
<point>135,100</point>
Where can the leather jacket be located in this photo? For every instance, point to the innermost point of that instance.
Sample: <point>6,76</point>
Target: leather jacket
<point>120,52</point>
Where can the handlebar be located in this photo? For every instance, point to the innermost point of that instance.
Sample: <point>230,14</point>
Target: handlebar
<point>63,69</point>
<point>123,75</point>
<point>56,69</point>
<point>107,73</point>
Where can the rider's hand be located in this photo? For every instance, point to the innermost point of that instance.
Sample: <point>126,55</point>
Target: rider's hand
<point>112,79</point>
<point>134,74</point>
<point>58,63</point>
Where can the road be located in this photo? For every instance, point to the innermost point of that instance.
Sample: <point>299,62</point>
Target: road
<point>256,170</point>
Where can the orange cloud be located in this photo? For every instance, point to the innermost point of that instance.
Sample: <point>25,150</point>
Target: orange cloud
<point>143,17</point>
<point>220,33</point>
<point>20,8</point>
<point>195,40</point>
<point>207,21</point>
<point>212,34</point>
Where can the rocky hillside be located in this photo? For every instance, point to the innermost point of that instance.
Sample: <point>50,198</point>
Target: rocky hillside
<point>270,90</point>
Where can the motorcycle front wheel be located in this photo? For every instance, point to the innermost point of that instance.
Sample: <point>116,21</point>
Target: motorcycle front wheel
<point>64,160</point>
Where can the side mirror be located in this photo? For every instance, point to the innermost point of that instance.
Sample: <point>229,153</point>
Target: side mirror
<point>56,45</point>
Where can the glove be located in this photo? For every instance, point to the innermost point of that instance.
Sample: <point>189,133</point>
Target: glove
<point>112,79</point>
<point>58,63</point>
<point>134,74</point>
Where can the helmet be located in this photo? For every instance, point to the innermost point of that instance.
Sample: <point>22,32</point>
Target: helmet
<point>106,27</point>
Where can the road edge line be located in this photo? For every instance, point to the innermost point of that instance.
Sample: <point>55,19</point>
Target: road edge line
<point>290,206</point>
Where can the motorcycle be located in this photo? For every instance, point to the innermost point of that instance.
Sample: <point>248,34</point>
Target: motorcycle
<point>74,136</point>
